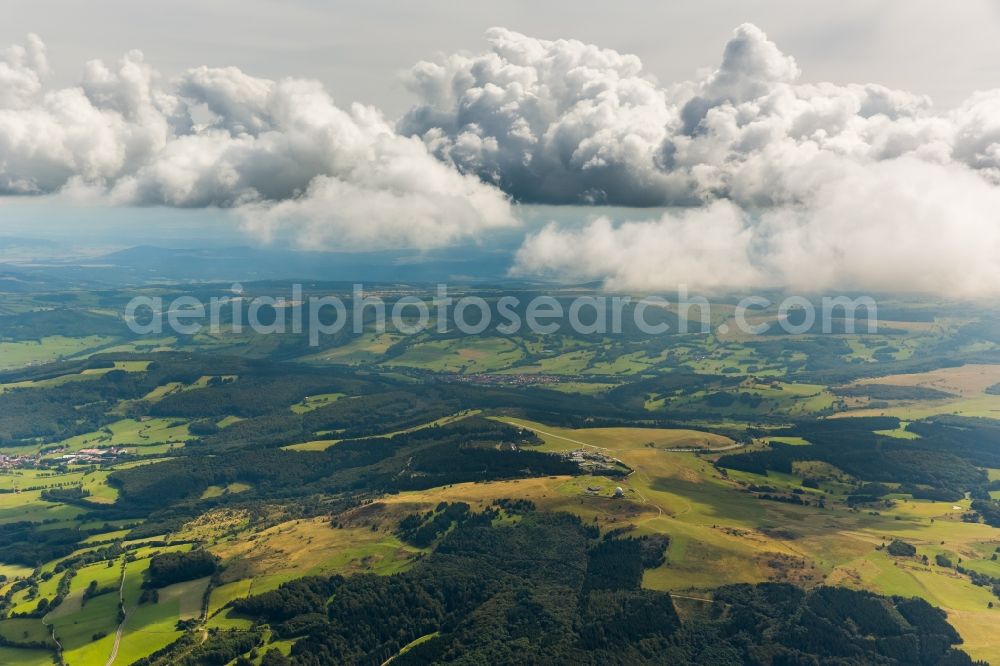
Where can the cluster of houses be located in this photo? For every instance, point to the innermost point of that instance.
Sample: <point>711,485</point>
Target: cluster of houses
<point>489,379</point>
<point>94,456</point>
<point>81,457</point>
<point>16,462</point>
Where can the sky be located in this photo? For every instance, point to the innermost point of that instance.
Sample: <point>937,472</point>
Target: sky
<point>814,146</point>
<point>357,49</point>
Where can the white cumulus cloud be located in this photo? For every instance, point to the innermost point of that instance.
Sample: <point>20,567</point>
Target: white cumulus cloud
<point>281,153</point>
<point>903,225</point>
<point>789,184</point>
<point>776,182</point>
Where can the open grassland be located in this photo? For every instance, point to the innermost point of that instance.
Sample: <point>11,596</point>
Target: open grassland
<point>223,594</point>
<point>24,630</point>
<point>20,657</point>
<point>162,391</point>
<point>626,364</point>
<point>614,438</point>
<point>228,489</point>
<point>34,479</point>
<point>86,627</point>
<point>754,398</point>
<point>312,402</point>
<point>365,348</point>
<point>216,526</point>
<point>323,444</point>
<point>144,345</point>
<point>311,547</point>
<point>721,534</point>
<point>581,388</point>
<point>20,354</point>
<point>569,363</point>
<point>86,375</point>
<point>12,571</point>
<point>967,383</point>
<point>151,626</point>
<point>86,631</point>
<point>149,435</point>
<point>92,480</point>
<point>29,506</point>
<point>464,355</point>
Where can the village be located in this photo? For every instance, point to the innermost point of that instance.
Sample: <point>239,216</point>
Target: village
<point>91,456</point>
<point>94,456</point>
<point>17,462</point>
<point>491,379</point>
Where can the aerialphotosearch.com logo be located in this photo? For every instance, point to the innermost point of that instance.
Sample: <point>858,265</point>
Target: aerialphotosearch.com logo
<point>506,314</point>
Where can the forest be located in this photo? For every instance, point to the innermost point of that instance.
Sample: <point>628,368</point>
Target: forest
<point>497,594</point>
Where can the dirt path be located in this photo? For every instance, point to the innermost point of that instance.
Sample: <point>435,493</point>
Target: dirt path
<point>549,434</point>
<point>659,509</point>
<point>121,625</point>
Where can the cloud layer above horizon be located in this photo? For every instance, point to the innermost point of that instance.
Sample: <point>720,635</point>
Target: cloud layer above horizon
<point>780,183</point>
<point>280,153</point>
<point>787,184</point>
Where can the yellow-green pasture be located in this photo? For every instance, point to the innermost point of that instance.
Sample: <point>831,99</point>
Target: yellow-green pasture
<point>722,534</point>
<point>471,354</point>
<point>23,353</point>
<point>323,444</point>
<point>148,435</point>
<point>309,403</point>
<point>310,547</point>
<point>967,383</point>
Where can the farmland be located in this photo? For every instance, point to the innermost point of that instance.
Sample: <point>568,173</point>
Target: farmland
<point>756,460</point>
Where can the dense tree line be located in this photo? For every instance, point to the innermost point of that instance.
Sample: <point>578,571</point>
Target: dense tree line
<point>71,408</point>
<point>989,510</point>
<point>890,392</point>
<point>899,548</point>
<point>472,449</point>
<point>303,596</point>
<point>422,530</point>
<point>31,544</point>
<point>974,439</point>
<point>217,649</point>
<point>177,567</point>
<point>262,392</point>
<point>68,322</point>
<point>941,462</point>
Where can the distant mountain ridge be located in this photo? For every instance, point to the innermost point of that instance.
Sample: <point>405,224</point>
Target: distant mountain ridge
<point>149,263</point>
